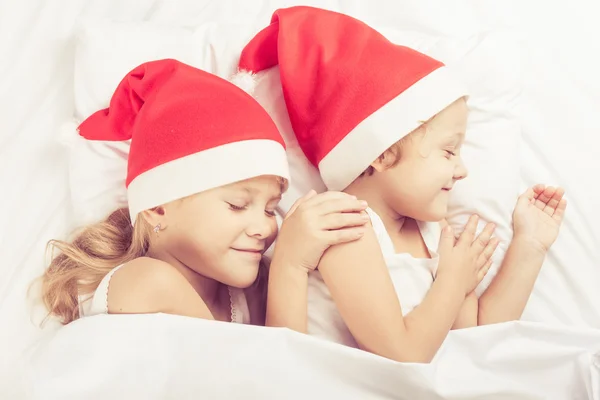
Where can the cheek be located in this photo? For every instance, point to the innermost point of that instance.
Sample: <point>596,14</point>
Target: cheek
<point>274,232</point>
<point>205,231</point>
<point>436,173</point>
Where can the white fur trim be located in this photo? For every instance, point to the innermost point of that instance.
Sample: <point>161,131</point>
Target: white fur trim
<point>68,133</point>
<point>245,80</point>
<point>396,119</point>
<point>205,170</point>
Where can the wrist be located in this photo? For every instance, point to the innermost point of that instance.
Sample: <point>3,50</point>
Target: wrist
<point>529,245</point>
<point>450,284</point>
<point>280,262</point>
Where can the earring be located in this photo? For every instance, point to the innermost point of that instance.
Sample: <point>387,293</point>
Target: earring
<point>156,228</point>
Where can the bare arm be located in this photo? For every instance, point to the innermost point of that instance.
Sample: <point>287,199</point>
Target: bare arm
<point>506,297</point>
<point>360,284</point>
<point>287,296</point>
<point>537,219</point>
<point>467,316</point>
<point>314,223</point>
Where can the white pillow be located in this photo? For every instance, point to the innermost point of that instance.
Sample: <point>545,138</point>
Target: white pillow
<point>104,52</point>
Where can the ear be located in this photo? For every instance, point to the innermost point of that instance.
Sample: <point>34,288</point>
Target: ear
<point>155,216</point>
<point>383,162</point>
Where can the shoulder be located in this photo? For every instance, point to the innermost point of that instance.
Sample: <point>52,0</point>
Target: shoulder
<point>362,253</point>
<point>145,274</point>
<point>147,285</point>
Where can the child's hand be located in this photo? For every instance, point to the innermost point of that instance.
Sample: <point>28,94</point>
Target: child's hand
<point>538,215</point>
<point>469,259</point>
<point>316,222</point>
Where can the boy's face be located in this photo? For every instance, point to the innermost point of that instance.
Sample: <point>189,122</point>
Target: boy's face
<point>430,164</point>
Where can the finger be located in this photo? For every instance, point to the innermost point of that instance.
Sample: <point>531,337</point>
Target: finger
<point>488,252</point>
<point>340,205</point>
<point>484,270</point>
<point>560,210</point>
<point>554,201</point>
<point>484,237</point>
<point>446,240</point>
<point>311,193</point>
<point>528,196</point>
<point>327,196</point>
<point>344,235</point>
<point>538,189</point>
<point>343,220</point>
<point>466,238</point>
<point>545,197</point>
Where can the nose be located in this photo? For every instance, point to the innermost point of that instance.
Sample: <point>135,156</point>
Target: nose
<point>262,226</point>
<point>460,172</point>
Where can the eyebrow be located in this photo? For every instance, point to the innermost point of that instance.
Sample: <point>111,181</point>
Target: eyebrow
<point>252,191</point>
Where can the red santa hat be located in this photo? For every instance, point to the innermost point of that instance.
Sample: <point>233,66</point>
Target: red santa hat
<point>350,93</point>
<point>190,131</point>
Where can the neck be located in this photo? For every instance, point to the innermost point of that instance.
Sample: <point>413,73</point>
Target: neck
<point>208,289</point>
<point>367,188</point>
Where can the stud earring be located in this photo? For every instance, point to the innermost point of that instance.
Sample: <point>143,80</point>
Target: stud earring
<point>156,228</point>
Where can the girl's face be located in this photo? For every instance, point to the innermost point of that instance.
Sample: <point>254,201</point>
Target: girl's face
<point>222,233</point>
<point>430,164</point>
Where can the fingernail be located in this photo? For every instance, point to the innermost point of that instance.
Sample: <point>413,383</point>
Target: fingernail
<point>365,217</point>
<point>364,203</point>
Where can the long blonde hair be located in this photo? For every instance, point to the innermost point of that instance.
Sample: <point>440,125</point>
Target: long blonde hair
<point>84,262</point>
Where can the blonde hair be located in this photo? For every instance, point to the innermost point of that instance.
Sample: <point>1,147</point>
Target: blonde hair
<point>84,262</point>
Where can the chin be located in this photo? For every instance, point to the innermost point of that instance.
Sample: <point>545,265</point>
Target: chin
<point>242,284</point>
<point>242,279</point>
<point>433,214</point>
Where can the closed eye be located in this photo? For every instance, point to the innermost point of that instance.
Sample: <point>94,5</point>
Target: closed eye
<point>450,153</point>
<point>236,208</point>
<point>270,213</point>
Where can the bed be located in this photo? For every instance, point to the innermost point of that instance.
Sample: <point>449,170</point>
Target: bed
<point>60,60</point>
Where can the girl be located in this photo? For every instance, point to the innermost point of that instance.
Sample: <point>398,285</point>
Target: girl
<point>386,124</point>
<point>206,170</point>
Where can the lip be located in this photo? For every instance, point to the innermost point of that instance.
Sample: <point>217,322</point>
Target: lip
<point>250,252</point>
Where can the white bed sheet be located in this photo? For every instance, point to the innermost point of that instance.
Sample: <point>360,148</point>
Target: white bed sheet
<point>560,141</point>
<point>36,96</point>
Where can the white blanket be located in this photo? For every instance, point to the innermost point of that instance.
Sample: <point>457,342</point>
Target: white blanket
<point>170,357</point>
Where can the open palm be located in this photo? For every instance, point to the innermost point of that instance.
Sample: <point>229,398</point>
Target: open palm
<point>539,213</point>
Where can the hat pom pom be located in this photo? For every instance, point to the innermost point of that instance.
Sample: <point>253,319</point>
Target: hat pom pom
<point>245,80</point>
<point>68,133</point>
